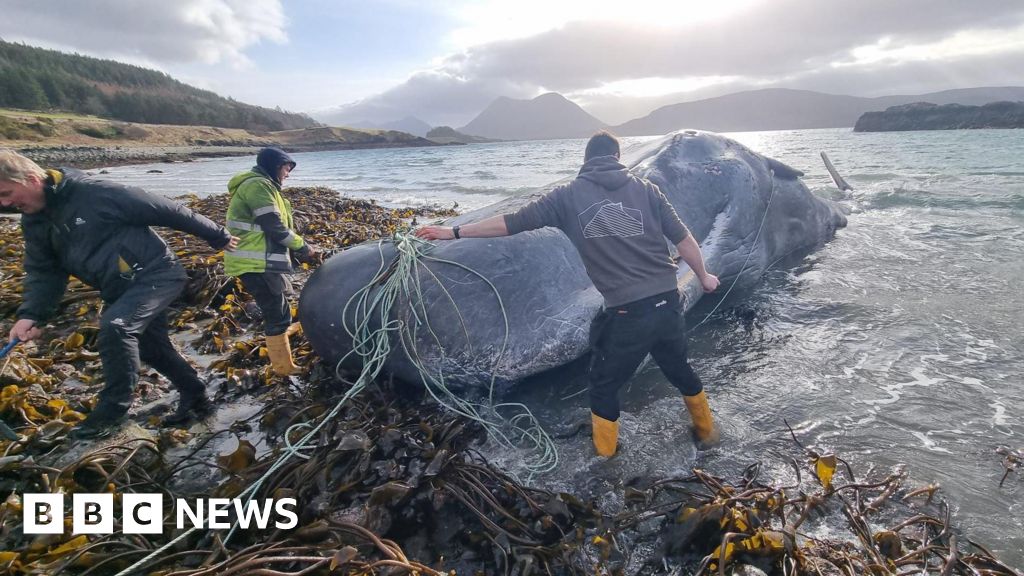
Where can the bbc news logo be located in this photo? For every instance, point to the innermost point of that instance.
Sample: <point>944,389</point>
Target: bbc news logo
<point>143,513</point>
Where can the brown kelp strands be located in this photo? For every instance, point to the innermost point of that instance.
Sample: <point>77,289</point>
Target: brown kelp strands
<point>393,484</point>
<point>214,306</point>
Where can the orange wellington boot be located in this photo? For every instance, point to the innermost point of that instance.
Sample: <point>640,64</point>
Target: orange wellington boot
<point>703,426</point>
<point>606,435</point>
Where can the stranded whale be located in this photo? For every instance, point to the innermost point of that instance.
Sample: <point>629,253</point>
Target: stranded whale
<point>746,211</point>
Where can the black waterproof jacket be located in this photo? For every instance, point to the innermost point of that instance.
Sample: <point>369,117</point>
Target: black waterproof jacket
<point>100,233</point>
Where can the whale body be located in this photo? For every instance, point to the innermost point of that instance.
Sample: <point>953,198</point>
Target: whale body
<point>746,211</point>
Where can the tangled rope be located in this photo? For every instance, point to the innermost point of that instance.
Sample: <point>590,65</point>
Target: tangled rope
<point>374,326</point>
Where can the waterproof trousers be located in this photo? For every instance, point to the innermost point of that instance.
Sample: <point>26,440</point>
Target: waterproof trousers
<point>134,327</point>
<point>622,336</point>
<point>270,290</point>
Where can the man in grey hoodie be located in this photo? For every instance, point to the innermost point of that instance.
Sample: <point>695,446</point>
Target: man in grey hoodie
<point>618,223</point>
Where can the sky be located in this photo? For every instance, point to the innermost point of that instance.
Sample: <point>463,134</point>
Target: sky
<point>444,61</point>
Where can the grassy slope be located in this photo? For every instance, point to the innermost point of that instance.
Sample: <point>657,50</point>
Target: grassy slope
<point>25,129</point>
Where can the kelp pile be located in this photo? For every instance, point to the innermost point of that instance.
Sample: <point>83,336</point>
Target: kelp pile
<point>394,484</point>
<point>211,299</point>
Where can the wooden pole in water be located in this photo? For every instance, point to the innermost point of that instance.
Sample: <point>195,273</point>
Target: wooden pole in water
<point>840,183</point>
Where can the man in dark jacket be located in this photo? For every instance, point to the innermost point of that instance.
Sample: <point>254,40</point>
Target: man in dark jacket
<point>99,232</point>
<point>619,224</point>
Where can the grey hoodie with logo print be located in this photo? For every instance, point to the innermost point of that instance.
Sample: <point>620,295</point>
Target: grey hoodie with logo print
<point>618,223</point>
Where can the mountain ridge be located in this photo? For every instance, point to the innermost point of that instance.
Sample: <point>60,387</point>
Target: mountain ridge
<point>548,116</point>
<point>790,109</point>
<point>765,109</point>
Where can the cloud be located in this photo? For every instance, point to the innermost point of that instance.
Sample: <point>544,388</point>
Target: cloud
<point>772,38</point>
<point>437,97</point>
<point>619,61</point>
<point>148,32</point>
<point>878,79</point>
<point>920,76</point>
<point>844,47</point>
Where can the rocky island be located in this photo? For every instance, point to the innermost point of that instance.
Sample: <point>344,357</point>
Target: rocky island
<point>449,135</point>
<point>928,116</point>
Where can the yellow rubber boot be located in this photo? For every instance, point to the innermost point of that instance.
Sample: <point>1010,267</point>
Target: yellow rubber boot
<point>280,351</point>
<point>703,426</point>
<point>606,435</point>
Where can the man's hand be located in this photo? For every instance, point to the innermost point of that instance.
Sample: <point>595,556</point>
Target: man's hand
<point>709,282</point>
<point>24,330</point>
<point>230,245</point>
<point>435,233</point>
<point>308,254</point>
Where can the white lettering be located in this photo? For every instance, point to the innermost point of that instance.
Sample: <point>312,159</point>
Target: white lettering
<point>281,507</point>
<point>219,508</point>
<point>245,512</point>
<point>43,513</point>
<point>184,510</point>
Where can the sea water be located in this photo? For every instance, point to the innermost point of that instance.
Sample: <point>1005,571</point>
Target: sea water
<point>898,343</point>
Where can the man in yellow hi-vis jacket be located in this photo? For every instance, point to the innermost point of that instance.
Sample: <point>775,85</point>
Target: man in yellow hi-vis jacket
<point>261,217</point>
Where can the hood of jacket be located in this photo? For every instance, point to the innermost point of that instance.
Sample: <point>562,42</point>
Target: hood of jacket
<point>271,159</point>
<point>242,177</point>
<point>605,171</point>
<point>55,190</point>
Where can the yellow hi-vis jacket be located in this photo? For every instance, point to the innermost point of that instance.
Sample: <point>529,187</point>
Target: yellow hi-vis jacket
<point>263,246</point>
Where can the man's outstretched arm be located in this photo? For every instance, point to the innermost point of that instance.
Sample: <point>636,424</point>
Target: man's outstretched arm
<point>488,228</point>
<point>689,251</point>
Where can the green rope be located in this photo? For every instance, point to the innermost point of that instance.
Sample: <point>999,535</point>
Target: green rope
<point>374,304</point>
<point>374,325</point>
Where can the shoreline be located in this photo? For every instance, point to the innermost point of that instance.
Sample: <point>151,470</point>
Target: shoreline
<point>90,142</point>
<point>89,157</point>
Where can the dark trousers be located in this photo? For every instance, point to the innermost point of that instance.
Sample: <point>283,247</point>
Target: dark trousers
<point>620,339</point>
<point>134,328</point>
<point>270,290</point>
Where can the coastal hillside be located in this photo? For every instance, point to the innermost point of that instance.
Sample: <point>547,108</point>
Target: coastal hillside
<point>928,116</point>
<point>39,79</point>
<point>409,124</point>
<point>86,141</point>
<point>785,109</point>
<point>547,116</point>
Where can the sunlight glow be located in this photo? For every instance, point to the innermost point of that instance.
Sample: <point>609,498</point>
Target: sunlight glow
<point>961,44</point>
<point>654,86</point>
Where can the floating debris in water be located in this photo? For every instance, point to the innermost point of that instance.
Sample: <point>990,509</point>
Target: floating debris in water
<point>1012,461</point>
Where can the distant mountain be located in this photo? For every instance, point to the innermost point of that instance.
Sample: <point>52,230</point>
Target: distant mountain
<point>409,125</point>
<point>449,135</point>
<point>782,109</point>
<point>343,117</point>
<point>545,117</point>
<point>928,116</point>
<point>971,96</point>
<point>39,79</point>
